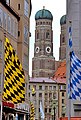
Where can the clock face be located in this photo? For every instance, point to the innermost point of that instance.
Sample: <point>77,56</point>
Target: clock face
<point>48,49</point>
<point>37,49</point>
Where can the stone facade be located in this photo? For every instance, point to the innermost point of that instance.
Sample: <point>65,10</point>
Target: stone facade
<point>74,15</point>
<point>15,23</point>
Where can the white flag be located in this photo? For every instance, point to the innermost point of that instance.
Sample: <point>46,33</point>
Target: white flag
<point>41,111</point>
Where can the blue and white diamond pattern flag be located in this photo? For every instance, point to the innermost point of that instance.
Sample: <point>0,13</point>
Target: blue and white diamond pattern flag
<point>75,77</point>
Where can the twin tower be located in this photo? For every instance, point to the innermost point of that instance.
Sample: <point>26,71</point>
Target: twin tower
<point>43,62</point>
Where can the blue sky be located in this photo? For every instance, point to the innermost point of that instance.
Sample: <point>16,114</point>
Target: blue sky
<point>58,9</point>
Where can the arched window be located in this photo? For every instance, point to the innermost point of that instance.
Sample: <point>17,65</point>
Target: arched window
<point>47,35</point>
<point>37,35</point>
<point>63,39</point>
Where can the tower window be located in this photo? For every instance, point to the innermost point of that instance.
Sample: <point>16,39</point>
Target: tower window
<point>47,35</point>
<point>40,23</point>
<point>63,39</point>
<point>18,6</point>
<point>18,33</point>
<point>37,35</point>
<point>43,23</point>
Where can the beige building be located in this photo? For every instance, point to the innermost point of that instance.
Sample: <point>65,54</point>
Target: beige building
<point>15,24</point>
<point>60,78</point>
<point>46,92</point>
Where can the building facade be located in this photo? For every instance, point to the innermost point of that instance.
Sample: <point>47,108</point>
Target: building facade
<point>46,92</point>
<point>15,25</point>
<point>43,47</point>
<point>74,15</point>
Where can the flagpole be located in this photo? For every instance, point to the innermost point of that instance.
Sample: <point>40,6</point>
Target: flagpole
<point>70,40</point>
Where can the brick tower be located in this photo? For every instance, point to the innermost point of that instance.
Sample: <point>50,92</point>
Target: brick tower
<point>43,62</point>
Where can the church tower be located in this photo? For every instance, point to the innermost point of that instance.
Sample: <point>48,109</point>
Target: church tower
<point>43,62</point>
<point>62,49</point>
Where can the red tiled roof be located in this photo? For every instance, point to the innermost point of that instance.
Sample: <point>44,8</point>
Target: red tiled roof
<point>60,74</point>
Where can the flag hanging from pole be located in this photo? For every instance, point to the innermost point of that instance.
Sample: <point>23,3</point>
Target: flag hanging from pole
<point>32,111</point>
<point>14,78</point>
<point>75,77</point>
<point>70,50</point>
<point>41,111</point>
<point>70,36</point>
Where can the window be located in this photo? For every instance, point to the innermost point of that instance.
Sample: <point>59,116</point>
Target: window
<point>46,87</point>
<point>16,29</point>
<point>47,35</point>
<point>54,95</point>
<point>37,35</point>
<point>9,24</point>
<point>1,17</point>
<point>29,94</point>
<point>26,7</point>
<point>25,62</point>
<point>25,34</point>
<point>62,100</point>
<point>64,87</point>
<point>40,94</point>
<point>18,33</point>
<point>49,110</point>
<point>45,110</point>
<point>46,95</point>
<point>50,95</point>
<point>4,20</point>
<point>0,49</point>
<point>34,87</point>
<point>62,93</point>
<point>60,87</point>
<point>18,6</point>
<point>29,87</point>
<point>54,87</point>
<point>12,28</point>
<point>40,87</point>
<point>50,87</point>
<point>63,39</point>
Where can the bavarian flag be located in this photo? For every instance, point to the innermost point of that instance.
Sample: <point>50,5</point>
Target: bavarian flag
<point>14,78</point>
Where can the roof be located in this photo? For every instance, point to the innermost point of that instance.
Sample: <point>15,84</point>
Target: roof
<point>63,20</point>
<point>41,80</point>
<point>43,14</point>
<point>60,74</point>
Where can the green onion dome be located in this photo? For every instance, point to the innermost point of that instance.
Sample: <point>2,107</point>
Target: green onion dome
<point>43,14</point>
<point>63,20</point>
